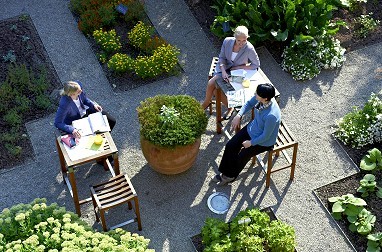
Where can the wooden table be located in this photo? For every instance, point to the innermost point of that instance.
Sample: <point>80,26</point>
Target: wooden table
<point>223,87</point>
<point>68,165</point>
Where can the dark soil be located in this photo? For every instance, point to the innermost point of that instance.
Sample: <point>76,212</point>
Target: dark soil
<point>206,15</point>
<point>19,35</point>
<point>350,185</point>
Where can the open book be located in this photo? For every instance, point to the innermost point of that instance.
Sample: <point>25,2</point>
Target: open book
<point>94,123</point>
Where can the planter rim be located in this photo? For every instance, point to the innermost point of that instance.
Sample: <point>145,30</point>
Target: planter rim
<point>170,147</point>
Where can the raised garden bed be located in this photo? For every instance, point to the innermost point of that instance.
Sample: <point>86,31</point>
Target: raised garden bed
<point>349,185</point>
<point>21,44</point>
<point>196,240</point>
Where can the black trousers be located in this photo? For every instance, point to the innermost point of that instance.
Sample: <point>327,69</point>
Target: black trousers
<point>235,156</point>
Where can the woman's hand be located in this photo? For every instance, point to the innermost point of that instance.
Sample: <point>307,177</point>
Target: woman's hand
<point>235,122</point>
<point>247,143</point>
<point>97,107</point>
<point>76,133</point>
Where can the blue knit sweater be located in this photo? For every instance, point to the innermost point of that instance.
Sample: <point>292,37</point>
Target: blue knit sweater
<point>263,129</point>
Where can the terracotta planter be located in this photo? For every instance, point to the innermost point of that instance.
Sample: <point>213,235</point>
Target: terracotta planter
<point>170,161</point>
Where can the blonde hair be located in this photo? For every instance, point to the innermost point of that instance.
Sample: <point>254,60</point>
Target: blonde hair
<point>70,87</point>
<point>241,30</point>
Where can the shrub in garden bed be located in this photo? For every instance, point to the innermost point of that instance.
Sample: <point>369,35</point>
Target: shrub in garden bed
<point>250,230</point>
<point>129,49</point>
<point>41,227</point>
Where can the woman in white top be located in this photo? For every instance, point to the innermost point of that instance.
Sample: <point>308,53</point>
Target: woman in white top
<point>236,53</point>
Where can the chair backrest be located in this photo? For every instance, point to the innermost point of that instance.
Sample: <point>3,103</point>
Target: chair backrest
<point>212,67</point>
<point>284,137</point>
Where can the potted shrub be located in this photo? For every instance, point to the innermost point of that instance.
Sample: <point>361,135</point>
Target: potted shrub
<point>171,128</point>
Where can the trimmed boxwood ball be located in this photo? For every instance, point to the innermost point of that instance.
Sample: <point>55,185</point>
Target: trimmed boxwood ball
<point>171,120</point>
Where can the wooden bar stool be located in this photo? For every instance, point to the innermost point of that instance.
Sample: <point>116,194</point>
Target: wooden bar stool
<point>285,140</point>
<point>116,191</point>
<point>210,75</point>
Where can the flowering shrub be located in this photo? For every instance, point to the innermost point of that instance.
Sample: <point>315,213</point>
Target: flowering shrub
<point>365,25</point>
<point>109,41</point>
<point>146,67</point>
<point>140,34</point>
<point>304,60</point>
<point>166,57</point>
<point>38,227</point>
<point>121,63</point>
<point>362,126</point>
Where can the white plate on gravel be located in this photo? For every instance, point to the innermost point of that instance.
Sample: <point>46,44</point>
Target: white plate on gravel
<point>218,202</point>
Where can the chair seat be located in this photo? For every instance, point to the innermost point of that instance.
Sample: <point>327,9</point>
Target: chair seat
<point>114,192</point>
<point>284,141</point>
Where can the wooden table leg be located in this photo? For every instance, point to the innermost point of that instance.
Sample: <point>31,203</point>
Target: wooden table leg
<point>116,163</point>
<point>61,157</point>
<point>73,184</point>
<point>218,109</point>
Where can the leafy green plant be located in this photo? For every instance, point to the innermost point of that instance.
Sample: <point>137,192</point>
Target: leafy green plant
<point>136,11</point>
<point>362,126</point>
<point>41,227</point>
<point>365,24</point>
<point>374,243</point>
<point>10,57</point>
<point>213,229</point>
<point>121,63</point>
<point>109,41</point>
<point>140,34</point>
<point>363,223</point>
<point>280,237</point>
<point>305,59</point>
<point>250,230</point>
<point>369,185</point>
<point>188,126</point>
<point>166,57</point>
<point>348,205</point>
<point>372,161</point>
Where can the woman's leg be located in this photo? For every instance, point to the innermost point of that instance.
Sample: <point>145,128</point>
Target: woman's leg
<point>112,121</point>
<point>228,164</point>
<point>209,91</point>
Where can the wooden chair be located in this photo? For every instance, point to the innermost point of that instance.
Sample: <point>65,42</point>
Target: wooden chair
<point>285,140</point>
<point>210,75</point>
<point>116,191</point>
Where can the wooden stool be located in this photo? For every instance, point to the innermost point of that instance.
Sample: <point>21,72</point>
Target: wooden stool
<point>210,75</point>
<point>116,191</point>
<point>285,140</point>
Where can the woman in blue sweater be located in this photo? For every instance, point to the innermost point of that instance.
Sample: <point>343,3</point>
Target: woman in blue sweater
<point>256,137</point>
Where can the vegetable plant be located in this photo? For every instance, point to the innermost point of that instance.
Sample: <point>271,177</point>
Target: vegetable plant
<point>372,161</point>
<point>369,185</point>
<point>250,230</point>
<point>348,205</point>
<point>374,243</point>
<point>363,223</point>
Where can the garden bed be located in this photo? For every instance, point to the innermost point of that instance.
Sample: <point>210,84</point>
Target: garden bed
<point>21,44</point>
<point>349,185</point>
<point>205,16</point>
<point>196,240</point>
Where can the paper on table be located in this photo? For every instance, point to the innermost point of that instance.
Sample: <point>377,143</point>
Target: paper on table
<point>239,72</point>
<point>82,149</point>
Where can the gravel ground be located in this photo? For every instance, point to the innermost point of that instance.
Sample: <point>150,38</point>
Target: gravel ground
<point>173,208</point>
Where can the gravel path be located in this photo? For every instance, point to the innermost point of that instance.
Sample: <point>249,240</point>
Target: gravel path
<point>173,208</point>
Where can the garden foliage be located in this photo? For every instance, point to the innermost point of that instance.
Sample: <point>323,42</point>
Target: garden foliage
<point>21,90</point>
<point>171,120</point>
<point>303,25</point>
<point>361,127</point>
<point>250,230</point>
<point>39,227</point>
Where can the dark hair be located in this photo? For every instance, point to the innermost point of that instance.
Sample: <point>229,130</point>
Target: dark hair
<point>266,91</point>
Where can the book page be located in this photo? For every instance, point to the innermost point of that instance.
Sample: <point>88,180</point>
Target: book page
<point>83,126</point>
<point>99,122</point>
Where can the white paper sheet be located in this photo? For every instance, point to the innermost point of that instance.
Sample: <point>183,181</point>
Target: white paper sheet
<point>81,150</point>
